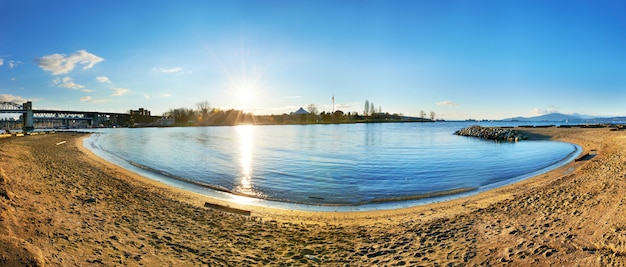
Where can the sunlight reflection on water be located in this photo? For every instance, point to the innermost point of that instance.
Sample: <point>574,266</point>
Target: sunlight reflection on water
<point>245,135</point>
<point>332,164</point>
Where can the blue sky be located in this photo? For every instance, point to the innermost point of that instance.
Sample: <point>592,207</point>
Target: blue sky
<point>460,59</point>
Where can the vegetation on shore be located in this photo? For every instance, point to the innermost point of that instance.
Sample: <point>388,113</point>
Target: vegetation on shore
<point>204,115</point>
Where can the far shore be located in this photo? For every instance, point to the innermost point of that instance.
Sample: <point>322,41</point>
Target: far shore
<point>60,205</point>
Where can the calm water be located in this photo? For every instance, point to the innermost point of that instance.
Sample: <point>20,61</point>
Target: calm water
<point>337,165</point>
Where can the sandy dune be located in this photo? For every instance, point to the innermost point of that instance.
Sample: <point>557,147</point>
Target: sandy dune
<point>61,206</point>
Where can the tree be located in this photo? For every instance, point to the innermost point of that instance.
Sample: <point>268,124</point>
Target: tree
<point>181,115</point>
<point>367,108</point>
<point>311,108</point>
<point>338,116</point>
<point>432,115</point>
<point>422,114</point>
<point>372,108</point>
<point>203,108</point>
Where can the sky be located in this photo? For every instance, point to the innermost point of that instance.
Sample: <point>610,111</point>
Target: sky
<point>460,59</point>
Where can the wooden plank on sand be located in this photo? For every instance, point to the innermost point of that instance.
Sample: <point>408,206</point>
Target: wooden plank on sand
<point>227,209</point>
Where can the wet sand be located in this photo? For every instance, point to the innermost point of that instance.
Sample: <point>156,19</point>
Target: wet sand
<point>62,206</point>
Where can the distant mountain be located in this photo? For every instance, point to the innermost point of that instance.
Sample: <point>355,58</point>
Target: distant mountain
<point>574,118</point>
<point>549,117</point>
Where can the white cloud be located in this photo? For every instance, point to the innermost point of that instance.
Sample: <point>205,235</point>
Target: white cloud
<point>446,103</point>
<point>540,111</point>
<point>87,90</point>
<point>146,96</point>
<point>61,64</point>
<point>165,95</point>
<point>12,98</point>
<point>85,98</point>
<point>13,64</point>
<point>119,91</point>
<point>347,106</point>
<point>103,79</point>
<point>67,82</point>
<point>172,70</point>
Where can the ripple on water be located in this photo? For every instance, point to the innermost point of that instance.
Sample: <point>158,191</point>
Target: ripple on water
<point>347,164</point>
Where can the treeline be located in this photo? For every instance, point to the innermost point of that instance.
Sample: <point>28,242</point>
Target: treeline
<point>330,117</point>
<point>204,115</point>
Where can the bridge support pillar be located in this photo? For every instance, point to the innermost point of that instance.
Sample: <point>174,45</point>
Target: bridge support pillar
<point>27,117</point>
<point>96,120</point>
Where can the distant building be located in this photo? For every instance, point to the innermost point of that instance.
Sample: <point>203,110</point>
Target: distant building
<point>300,111</point>
<point>140,112</point>
<point>141,117</point>
<point>166,121</point>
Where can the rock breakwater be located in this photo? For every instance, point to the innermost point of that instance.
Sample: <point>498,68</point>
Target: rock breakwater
<point>492,133</point>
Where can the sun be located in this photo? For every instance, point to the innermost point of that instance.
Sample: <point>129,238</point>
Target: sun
<point>245,96</point>
<point>245,87</point>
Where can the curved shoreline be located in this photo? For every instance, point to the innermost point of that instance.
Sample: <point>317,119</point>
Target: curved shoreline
<point>227,196</point>
<point>427,211</point>
<point>62,206</point>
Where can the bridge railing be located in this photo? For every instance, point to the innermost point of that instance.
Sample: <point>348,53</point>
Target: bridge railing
<point>10,106</point>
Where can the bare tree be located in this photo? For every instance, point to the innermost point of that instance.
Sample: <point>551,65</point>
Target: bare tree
<point>181,115</point>
<point>422,114</point>
<point>311,108</point>
<point>203,108</point>
<point>432,115</point>
<point>372,108</point>
<point>367,108</point>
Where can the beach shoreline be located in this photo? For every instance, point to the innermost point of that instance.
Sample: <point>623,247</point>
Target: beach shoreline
<point>367,198</point>
<point>65,206</point>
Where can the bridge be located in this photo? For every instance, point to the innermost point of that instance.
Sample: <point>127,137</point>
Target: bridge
<point>62,118</point>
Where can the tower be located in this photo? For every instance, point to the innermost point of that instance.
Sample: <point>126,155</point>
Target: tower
<point>27,117</point>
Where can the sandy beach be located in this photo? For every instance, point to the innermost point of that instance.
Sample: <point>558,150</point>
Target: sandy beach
<point>62,206</point>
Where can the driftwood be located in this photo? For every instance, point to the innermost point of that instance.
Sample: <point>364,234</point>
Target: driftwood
<point>227,209</point>
<point>586,156</point>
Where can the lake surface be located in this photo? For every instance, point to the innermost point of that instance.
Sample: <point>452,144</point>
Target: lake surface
<point>367,166</point>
